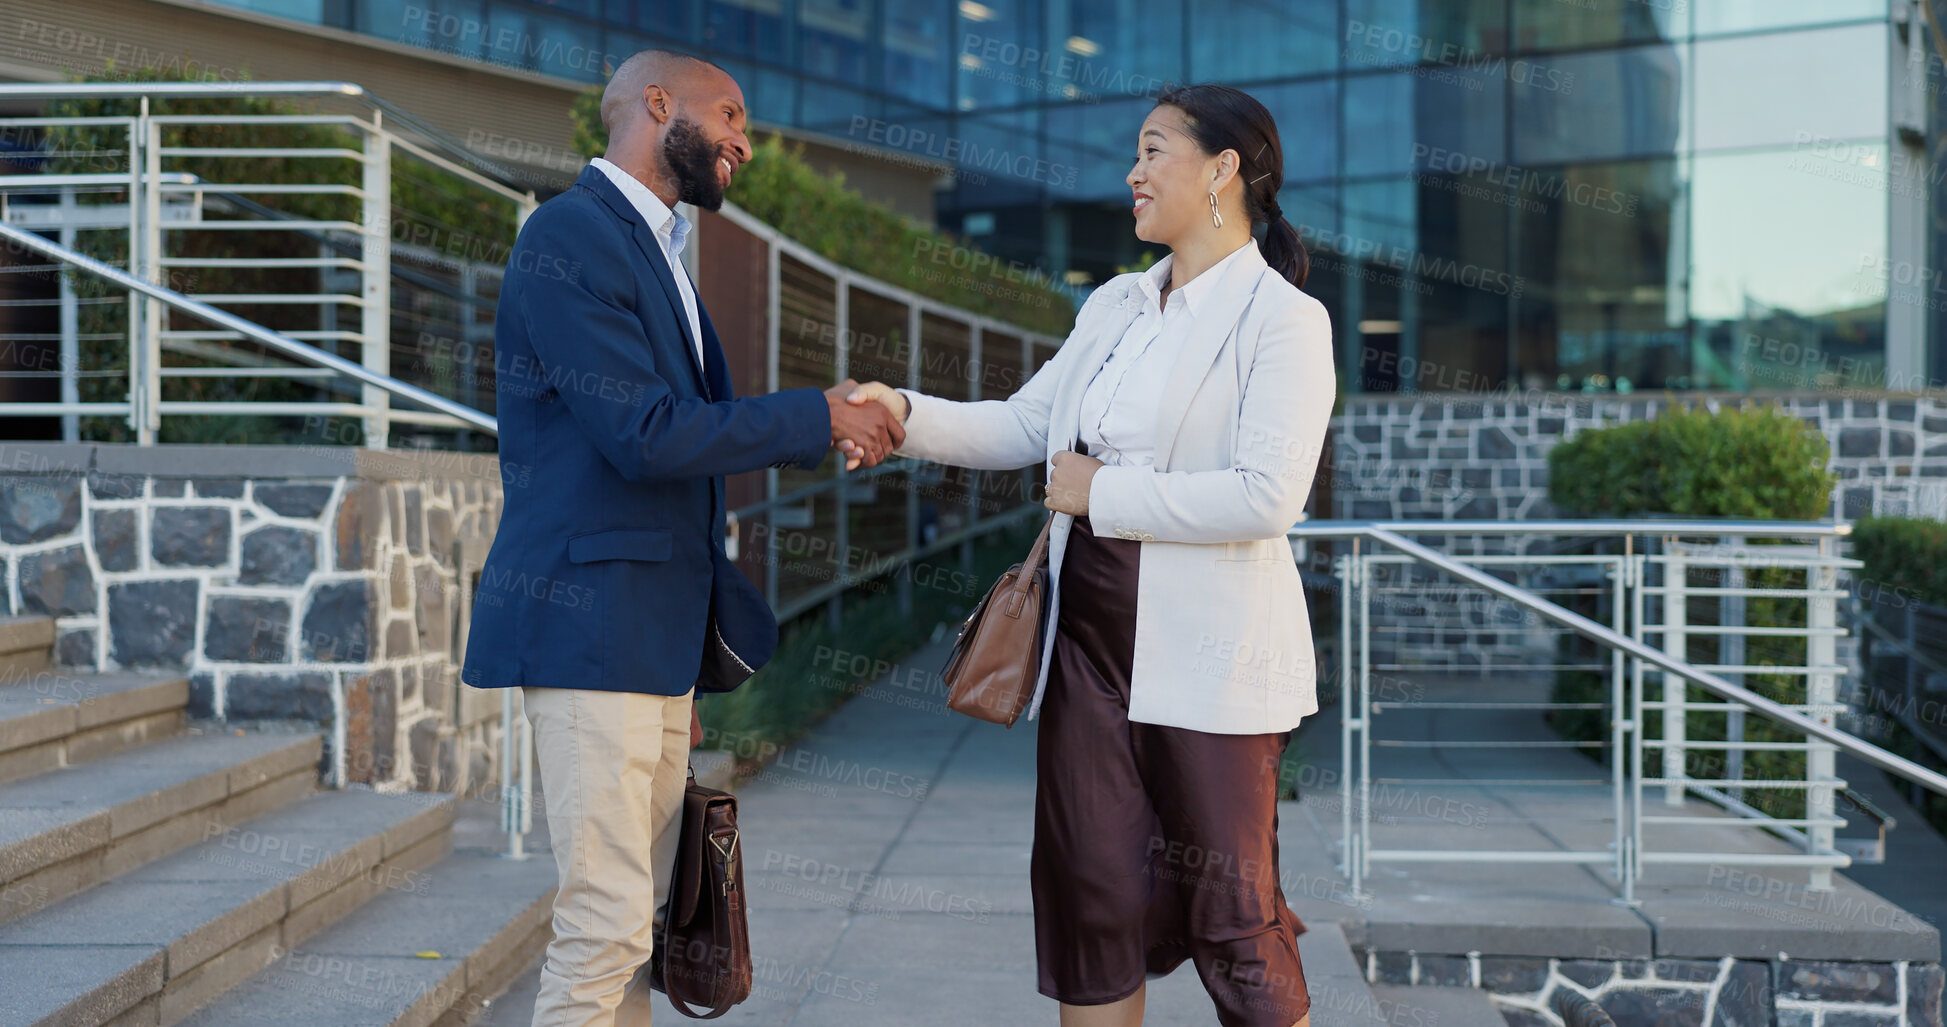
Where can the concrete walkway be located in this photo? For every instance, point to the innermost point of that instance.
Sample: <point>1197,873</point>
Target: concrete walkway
<point>886,858</point>
<point>887,866</point>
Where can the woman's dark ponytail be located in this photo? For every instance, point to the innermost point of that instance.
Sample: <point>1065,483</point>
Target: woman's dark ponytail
<point>1222,118</point>
<point>1284,251</point>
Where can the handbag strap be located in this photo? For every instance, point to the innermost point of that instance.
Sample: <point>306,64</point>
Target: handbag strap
<point>1037,555</point>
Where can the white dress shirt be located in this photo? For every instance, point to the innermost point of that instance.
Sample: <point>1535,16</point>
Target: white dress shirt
<point>1119,406</point>
<point>672,230</point>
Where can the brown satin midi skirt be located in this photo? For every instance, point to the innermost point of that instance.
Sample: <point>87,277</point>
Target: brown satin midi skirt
<point>1152,844</point>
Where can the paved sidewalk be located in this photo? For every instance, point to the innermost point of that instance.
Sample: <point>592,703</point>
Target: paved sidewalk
<point>886,857</point>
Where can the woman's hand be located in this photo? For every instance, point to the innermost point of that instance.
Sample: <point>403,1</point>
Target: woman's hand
<point>889,397</point>
<point>1068,485</point>
<point>885,394</point>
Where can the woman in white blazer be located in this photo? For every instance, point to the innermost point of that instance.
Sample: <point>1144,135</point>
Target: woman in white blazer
<point>1182,422</point>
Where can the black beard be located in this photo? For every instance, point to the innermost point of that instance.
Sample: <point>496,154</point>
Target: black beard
<point>692,159</point>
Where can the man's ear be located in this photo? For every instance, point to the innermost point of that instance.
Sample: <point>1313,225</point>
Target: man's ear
<point>661,105</point>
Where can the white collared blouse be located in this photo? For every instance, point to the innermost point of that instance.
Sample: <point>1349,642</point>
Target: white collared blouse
<point>1118,413</point>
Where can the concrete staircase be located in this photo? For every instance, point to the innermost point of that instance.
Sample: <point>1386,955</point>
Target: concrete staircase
<point>157,872</point>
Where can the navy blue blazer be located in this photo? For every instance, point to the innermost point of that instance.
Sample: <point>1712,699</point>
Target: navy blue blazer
<point>613,449</point>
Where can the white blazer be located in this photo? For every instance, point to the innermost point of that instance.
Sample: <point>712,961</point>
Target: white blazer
<point>1223,637</point>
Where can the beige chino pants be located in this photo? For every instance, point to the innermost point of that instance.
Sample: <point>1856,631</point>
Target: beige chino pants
<point>613,769</point>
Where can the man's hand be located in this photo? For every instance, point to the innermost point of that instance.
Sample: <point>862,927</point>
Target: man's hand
<point>864,433</point>
<point>1068,485</point>
<point>696,726</point>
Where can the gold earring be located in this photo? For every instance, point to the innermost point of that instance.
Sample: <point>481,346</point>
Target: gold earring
<point>1216,219</point>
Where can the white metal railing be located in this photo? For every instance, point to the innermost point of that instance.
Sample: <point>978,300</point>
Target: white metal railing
<point>1631,579</point>
<point>159,204</point>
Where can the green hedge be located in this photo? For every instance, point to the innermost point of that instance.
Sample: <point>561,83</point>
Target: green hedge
<point>818,210</point>
<point>1752,462</point>
<point>1905,555</point>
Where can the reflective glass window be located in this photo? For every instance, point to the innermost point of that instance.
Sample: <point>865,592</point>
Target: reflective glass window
<point>1241,40</point>
<point>1611,104</point>
<point>1785,88</point>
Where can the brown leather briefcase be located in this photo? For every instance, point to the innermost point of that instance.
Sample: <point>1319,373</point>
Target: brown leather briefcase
<point>702,961</point>
<point>991,670</point>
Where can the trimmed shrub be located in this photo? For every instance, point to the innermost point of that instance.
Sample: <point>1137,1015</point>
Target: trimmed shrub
<point>1750,462</point>
<point>1907,555</point>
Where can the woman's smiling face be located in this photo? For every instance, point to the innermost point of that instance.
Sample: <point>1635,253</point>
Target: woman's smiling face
<point>1171,179</point>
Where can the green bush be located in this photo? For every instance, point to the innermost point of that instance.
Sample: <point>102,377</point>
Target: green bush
<point>818,210</point>
<point>1907,555</point>
<point>1750,462</point>
<point>1755,463</point>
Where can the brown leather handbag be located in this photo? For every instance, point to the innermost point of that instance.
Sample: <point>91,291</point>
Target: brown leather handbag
<point>702,961</point>
<point>991,670</point>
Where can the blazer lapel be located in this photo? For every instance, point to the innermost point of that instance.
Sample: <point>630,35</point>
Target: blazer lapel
<point>1217,316</point>
<point>652,251</point>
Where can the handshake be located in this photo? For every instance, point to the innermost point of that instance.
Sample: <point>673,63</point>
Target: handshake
<point>865,431</point>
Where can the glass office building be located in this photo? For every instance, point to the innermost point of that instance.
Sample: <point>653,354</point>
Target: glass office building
<point>1592,195</point>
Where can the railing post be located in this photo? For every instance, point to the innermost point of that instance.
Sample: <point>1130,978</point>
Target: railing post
<point>913,365</point>
<point>773,331</point>
<point>1347,569</point>
<point>1620,592</point>
<point>1675,618</point>
<point>375,278</point>
<point>1633,840</point>
<point>138,382</point>
<point>1821,691</point>
<point>1363,574</point>
<point>842,530</point>
<point>1731,653</point>
<point>70,324</point>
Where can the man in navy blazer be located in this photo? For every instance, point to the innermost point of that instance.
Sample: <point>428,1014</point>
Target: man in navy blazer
<point>607,597</point>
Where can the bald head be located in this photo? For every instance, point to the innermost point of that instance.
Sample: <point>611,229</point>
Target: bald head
<point>678,74</point>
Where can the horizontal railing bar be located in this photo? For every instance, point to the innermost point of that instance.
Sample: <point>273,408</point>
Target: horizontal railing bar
<point>1802,707</point>
<point>1658,743</point>
<point>1782,560</point>
<point>53,409</point>
<point>1930,779</point>
<point>1388,704</point>
<point>1749,859</point>
<point>262,151</point>
<point>321,189</point>
<point>1348,528</point>
<point>321,334</point>
<point>1497,782</point>
<point>1748,782</point>
<point>259,119</point>
<point>1591,560</point>
<point>1403,743</point>
<point>253,224</point>
<point>108,180</point>
<point>290,298</point>
<point>77,119</point>
<point>1471,668</point>
<point>347,263</point>
<point>1487,855</point>
<point>1750,630</point>
<point>1768,821</point>
<point>246,372</point>
<point>257,333</point>
<point>1760,593</point>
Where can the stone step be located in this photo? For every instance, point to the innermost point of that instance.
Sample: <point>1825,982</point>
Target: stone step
<point>486,917</point>
<point>26,645</point>
<point>52,718</point>
<point>69,829</point>
<point>1340,995</point>
<point>1426,1004</point>
<point>156,944</point>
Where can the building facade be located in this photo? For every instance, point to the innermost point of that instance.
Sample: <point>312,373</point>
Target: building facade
<point>1595,196</point>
